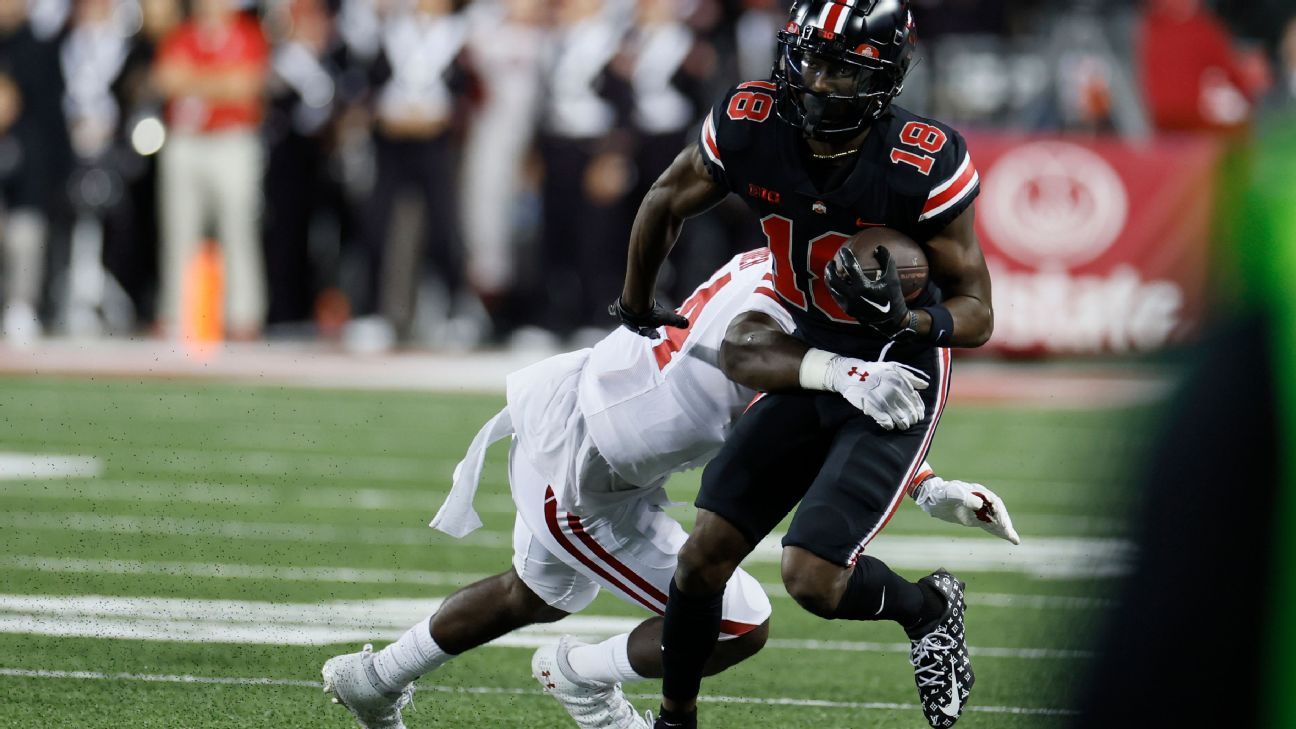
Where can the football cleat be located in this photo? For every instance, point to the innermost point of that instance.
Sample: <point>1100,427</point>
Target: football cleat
<point>354,684</point>
<point>593,704</point>
<point>939,654</point>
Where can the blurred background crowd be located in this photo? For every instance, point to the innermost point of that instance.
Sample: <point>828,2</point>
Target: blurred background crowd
<point>429,173</point>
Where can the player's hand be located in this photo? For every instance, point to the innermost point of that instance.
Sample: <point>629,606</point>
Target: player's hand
<point>969,504</point>
<point>647,324</point>
<point>885,391</point>
<point>878,301</point>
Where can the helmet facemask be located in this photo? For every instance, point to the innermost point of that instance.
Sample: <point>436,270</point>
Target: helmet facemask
<point>876,70</point>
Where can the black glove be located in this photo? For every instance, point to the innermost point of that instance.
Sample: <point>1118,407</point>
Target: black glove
<point>875,302</point>
<point>646,325</point>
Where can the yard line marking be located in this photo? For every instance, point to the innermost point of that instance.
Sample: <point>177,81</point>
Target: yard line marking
<point>377,576</point>
<point>324,623</point>
<point>200,492</point>
<point>867,647</point>
<point>377,499</point>
<point>266,531</point>
<point>15,466</point>
<point>1041,557</point>
<point>366,575</point>
<point>277,463</point>
<point>496,690</point>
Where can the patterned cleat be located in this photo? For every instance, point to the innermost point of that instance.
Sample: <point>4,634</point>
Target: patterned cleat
<point>939,654</point>
<point>354,684</point>
<point>593,704</point>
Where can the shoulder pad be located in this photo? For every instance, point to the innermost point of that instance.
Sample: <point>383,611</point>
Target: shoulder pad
<point>734,121</point>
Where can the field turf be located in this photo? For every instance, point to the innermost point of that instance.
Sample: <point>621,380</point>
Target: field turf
<point>193,561</point>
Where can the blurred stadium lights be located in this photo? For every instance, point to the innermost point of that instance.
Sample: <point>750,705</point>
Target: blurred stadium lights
<point>148,136</point>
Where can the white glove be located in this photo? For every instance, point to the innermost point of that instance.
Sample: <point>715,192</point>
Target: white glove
<point>969,504</point>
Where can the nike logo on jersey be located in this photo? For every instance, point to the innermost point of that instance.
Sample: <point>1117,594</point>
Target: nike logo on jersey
<point>952,708</point>
<point>884,309</point>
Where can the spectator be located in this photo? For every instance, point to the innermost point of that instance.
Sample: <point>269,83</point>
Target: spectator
<point>420,77</point>
<point>131,232</point>
<point>93,56</point>
<point>211,70</point>
<point>35,160</point>
<point>1193,78</point>
<point>665,67</point>
<point>586,174</point>
<point>507,38</point>
<point>312,83</point>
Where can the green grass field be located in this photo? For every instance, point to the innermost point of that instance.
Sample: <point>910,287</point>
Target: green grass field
<point>230,533</point>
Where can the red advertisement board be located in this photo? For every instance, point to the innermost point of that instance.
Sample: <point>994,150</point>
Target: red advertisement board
<point>1095,245</point>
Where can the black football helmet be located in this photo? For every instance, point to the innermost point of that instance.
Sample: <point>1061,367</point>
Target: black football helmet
<point>876,37</point>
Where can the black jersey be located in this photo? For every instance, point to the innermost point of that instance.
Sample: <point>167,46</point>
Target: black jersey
<point>912,174</point>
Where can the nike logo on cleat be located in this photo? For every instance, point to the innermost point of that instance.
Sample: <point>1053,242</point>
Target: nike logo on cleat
<point>952,708</point>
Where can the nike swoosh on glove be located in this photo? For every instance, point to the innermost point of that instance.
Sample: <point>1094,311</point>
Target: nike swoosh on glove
<point>876,302</point>
<point>885,391</point>
<point>969,504</point>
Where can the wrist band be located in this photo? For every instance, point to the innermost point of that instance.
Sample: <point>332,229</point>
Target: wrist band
<point>816,370</point>
<point>942,325</point>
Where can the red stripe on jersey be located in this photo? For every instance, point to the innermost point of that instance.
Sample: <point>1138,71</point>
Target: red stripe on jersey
<point>957,189</point>
<point>771,294</point>
<point>767,85</point>
<point>729,627</point>
<point>551,520</point>
<point>708,138</point>
<point>574,523</point>
<point>943,359</point>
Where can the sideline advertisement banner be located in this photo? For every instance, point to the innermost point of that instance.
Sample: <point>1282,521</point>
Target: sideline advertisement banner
<point>1095,245</point>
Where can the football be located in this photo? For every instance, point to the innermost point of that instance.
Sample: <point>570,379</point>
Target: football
<point>910,259</point>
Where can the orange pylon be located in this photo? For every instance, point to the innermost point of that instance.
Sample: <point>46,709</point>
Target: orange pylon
<point>201,309</point>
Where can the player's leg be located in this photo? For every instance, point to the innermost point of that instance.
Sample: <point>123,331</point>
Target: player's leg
<point>863,480</point>
<point>755,480</point>
<point>539,588</point>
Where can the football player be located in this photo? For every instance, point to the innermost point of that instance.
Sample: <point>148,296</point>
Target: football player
<point>596,434</point>
<point>820,152</point>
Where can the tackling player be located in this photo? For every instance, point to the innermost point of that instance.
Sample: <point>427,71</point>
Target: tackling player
<point>819,152</point>
<point>597,433</point>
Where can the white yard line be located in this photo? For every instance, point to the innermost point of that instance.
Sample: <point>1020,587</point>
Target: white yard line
<point>47,465</point>
<point>373,576</point>
<point>1042,557</point>
<point>198,492</point>
<point>495,690</point>
<point>325,623</point>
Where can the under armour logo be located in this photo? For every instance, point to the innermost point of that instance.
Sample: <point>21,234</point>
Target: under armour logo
<point>857,372</point>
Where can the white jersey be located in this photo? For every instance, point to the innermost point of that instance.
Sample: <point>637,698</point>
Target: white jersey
<point>655,407</point>
<point>606,424</point>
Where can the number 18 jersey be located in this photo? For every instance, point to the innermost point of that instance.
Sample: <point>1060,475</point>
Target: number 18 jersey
<point>912,174</point>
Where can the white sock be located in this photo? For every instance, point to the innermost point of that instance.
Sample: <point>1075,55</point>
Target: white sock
<point>608,662</point>
<point>413,655</point>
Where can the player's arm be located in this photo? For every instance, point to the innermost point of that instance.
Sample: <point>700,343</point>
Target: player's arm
<point>683,191</point>
<point>959,268</point>
<point>758,353</point>
<point>963,319</point>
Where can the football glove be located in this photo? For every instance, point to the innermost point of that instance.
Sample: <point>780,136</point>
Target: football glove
<point>969,504</point>
<point>884,391</point>
<point>647,324</point>
<point>875,302</point>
